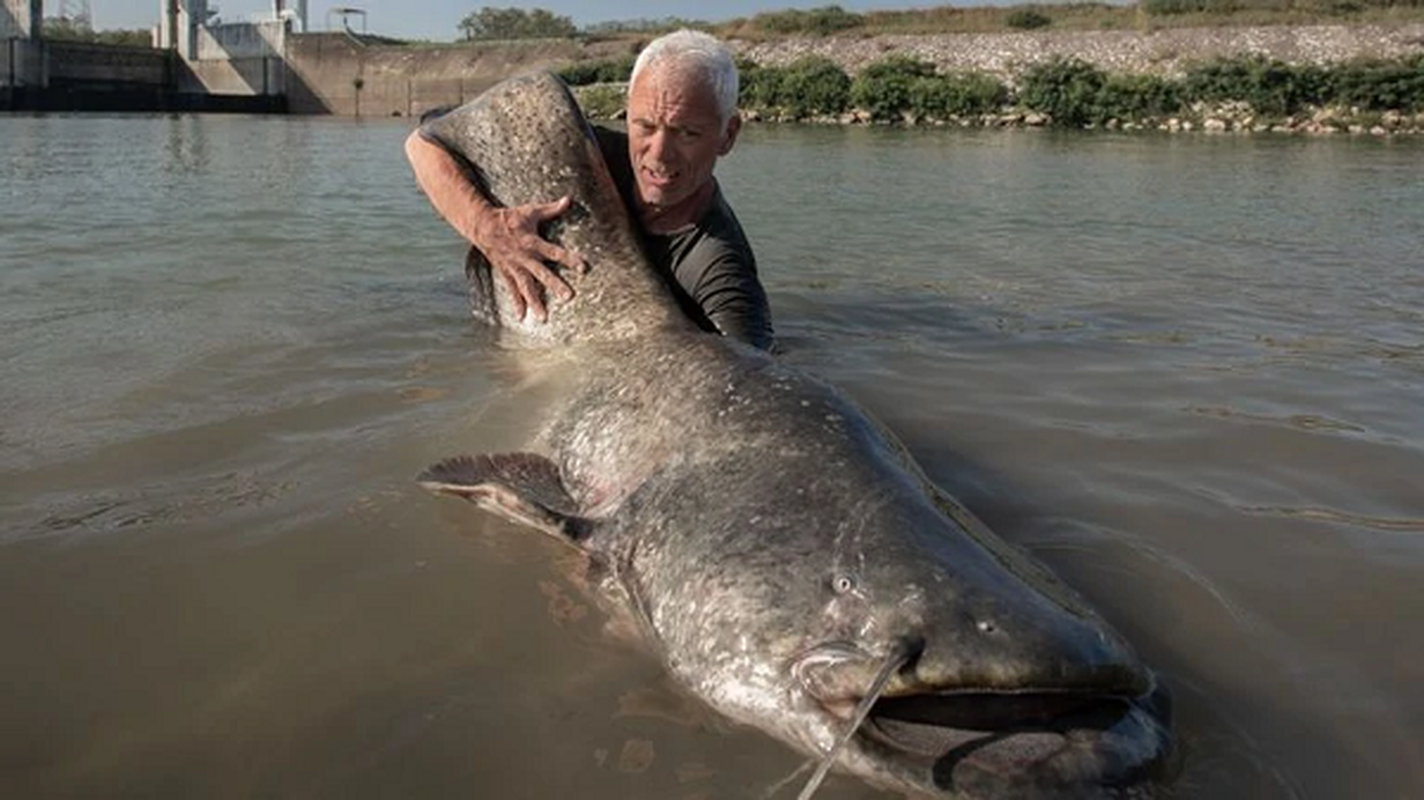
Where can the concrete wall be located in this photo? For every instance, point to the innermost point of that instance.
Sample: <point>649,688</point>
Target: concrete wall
<point>333,73</point>
<point>239,76</point>
<point>97,65</point>
<point>40,63</point>
<point>241,40</point>
<point>242,58</point>
<point>23,63</point>
<point>76,76</point>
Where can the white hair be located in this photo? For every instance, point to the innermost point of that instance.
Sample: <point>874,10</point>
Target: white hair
<point>700,55</point>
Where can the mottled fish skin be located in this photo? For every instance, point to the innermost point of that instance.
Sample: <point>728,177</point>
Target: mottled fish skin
<point>514,129</point>
<point>775,541</point>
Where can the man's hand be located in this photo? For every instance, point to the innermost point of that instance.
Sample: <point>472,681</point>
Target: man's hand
<point>509,239</point>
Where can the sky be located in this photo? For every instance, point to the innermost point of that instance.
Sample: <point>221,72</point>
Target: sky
<point>437,19</point>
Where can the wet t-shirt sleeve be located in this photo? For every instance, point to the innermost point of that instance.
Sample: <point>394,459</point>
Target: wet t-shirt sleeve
<point>714,269</point>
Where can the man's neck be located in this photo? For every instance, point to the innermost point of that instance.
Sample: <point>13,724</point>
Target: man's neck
<point>666,219</point>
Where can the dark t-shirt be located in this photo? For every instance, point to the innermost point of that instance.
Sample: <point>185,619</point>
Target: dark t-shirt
<point>708,264</point>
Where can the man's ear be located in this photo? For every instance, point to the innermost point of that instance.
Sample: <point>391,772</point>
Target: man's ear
<point>729,138</point>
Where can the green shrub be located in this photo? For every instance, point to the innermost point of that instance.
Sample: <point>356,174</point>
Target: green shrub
<point>1270,86</point>
<point>1027,19</point>
<point>602,102</point>
<point>961,94</point>
<point>884,88</point>
<point>608,70</point>
<point>1067,89</point>
<point>75,30</point>
<point>1227,7</point>
<point>759,87</point>
<point>1075,93</point>
<point>814,85</point>
<point>1168,7</point>
<point>1380,85</point>
<point>1136,97</point>
<point>817,21</point>
<point>491,23</point>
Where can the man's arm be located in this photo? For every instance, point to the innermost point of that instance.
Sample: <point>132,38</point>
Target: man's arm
<point>734,301</point>
<point>508,237</point>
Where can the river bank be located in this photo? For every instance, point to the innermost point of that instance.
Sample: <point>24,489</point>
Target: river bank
<point>341,77</point>
<point>1323,79</point>
<point>1165,52</point>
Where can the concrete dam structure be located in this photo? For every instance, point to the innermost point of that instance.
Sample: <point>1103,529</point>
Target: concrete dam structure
<point>272,64</point>
<point>192,65</point>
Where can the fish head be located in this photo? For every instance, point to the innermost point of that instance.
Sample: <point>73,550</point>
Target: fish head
<point>1004,684</point>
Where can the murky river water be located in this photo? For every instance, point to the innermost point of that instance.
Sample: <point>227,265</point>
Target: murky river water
<point>1188,373</point>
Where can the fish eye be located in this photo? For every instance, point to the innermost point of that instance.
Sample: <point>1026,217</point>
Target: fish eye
<point>842,583</point>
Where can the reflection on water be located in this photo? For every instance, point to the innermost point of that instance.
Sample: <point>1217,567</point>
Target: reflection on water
<point>1185,371</point>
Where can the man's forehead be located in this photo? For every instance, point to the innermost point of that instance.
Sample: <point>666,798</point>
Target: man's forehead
<point>669,78</point>
<point>673,106</point>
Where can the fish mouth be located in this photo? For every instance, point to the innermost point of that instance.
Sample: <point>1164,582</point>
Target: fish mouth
<point>971,713</point>
<point>1027,743</point>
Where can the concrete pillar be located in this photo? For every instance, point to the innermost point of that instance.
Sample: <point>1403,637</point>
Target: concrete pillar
<point>193,17</point>
<point>21,48</point>
<point>21,19</point>
<point>168,24</point>
<point>179,24</point>
<point>294,11</point>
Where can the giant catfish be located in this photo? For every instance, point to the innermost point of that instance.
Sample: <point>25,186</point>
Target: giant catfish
<point>784,555</point>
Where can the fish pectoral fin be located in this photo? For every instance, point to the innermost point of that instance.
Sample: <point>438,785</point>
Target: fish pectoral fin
<point>521,487</point>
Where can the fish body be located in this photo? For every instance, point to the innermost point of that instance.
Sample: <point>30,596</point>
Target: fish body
<point>778,545</point>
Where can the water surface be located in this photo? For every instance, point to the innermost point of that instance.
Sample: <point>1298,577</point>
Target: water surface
<point>1184,371</point>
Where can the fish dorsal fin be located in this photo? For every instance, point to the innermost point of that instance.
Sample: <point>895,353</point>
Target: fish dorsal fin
<point>521,487</point>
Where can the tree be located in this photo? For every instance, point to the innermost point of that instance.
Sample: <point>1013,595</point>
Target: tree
<point>516,23</point>
<point>77,29</point>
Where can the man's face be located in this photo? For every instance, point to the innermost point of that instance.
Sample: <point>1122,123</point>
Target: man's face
<point>674,135</point>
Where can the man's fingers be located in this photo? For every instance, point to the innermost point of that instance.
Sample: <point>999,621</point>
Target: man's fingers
<point>543,212</point>
<point>548,278</point>
<point>516,296</point>
<point>552,252</point>
<point>532,295</point>
<point>523,254</point>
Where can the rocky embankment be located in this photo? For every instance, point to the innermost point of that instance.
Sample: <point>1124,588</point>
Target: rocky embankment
<point>1158,52</point>
<point>1164,53</point>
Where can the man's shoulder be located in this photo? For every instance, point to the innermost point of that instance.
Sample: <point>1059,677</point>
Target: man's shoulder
<point>723,231</point>
<point>609,137</point>
<point>712,250</point>
<point>613,144</point>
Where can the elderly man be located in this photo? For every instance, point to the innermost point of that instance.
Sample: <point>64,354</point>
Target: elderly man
<point>682,117</point>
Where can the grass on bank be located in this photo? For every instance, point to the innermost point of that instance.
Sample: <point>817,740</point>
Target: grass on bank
<point>1068,92</point>
<point>833,20</point>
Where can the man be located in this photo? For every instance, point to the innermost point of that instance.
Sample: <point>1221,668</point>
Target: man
<point>682,117</point>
